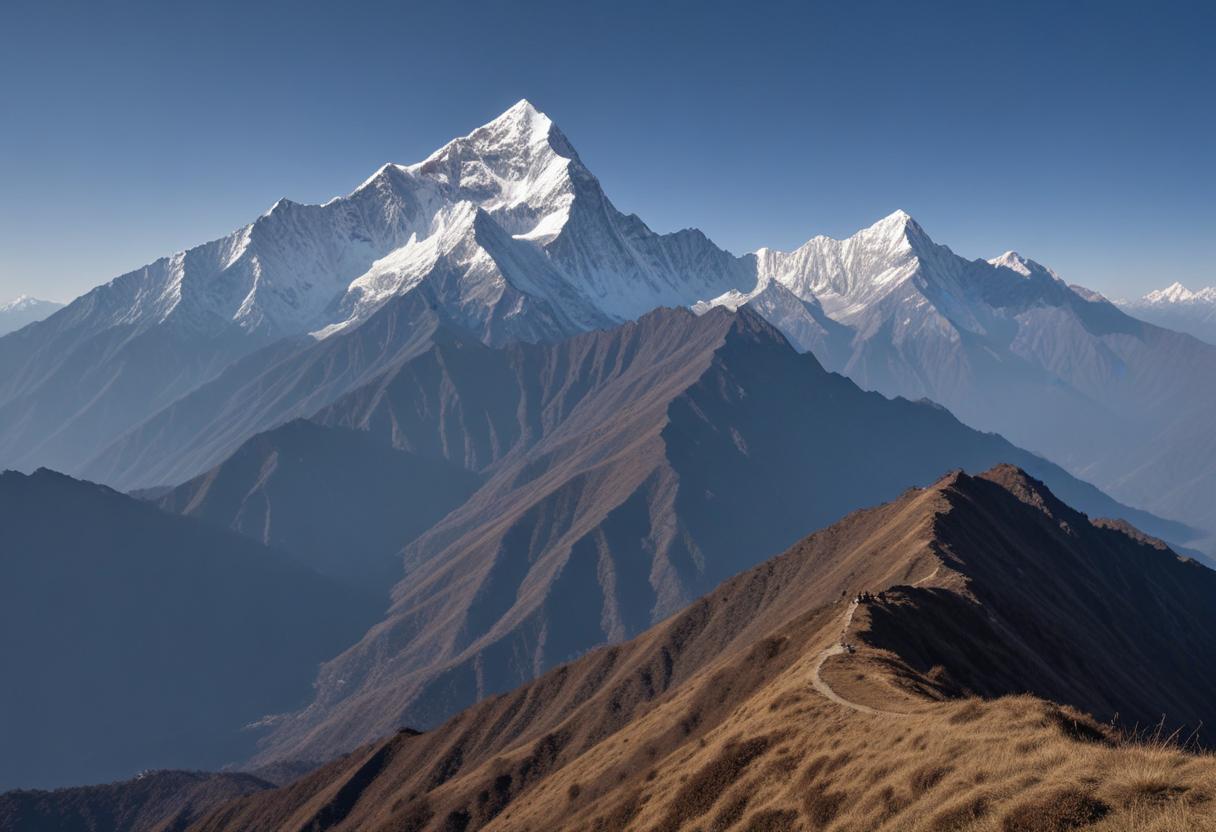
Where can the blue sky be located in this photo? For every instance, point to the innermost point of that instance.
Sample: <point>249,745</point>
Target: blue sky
<point>1079,133</point>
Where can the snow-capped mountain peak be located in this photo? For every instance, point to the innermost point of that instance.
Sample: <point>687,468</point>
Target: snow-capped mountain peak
<point>1174,293</point>
<point>24,309</point>
<point>1013,261</point>
<point>1177,293</point>
<point>848,275</point>
<point>289,270</point>
<point>320,268</point>
<point>1024,266</point>
<point>19,302</point>
<point>27,303</point>
<point>1177,307</point>
<point>520,131</point>
<point>516,167</point>
<point>897,227</point>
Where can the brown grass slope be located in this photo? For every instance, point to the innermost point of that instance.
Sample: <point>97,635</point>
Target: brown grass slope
<point>1078,612</point>
<point>713,719</point>
<point>627,472</point>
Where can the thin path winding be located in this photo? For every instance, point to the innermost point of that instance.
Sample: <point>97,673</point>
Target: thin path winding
<point>817,680</point>
<point>821,685</point>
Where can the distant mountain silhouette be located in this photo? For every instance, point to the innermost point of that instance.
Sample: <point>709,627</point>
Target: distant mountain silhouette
<point>504,233</point>
<point>158,801</point>
<point>135,639</point>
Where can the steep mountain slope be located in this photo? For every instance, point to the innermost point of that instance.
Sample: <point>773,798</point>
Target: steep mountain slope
<point>283,381</point>
<point>1006,345</point>
<point>744,712</point>
<point>1178,308</point>
<point>337,501</point>
<point>628,472</point>
<point>159,801</point>
<point>135,639</point>
<point>24,310</point>
<point>1102,617</point>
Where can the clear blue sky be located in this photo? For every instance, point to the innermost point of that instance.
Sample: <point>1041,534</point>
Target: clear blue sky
<point>1079,133</point>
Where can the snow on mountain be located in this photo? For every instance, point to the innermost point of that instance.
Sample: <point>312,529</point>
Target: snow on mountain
<point>1177,307</point>
<point>847,276</point>
<point>23,310</point>
<point>517,168</point>
<point>505,229</point>
<point>25,302</point>
<point>1088,294</point>
<point>1177,293</point>
<point>321,268</point>
<point>889,278</point>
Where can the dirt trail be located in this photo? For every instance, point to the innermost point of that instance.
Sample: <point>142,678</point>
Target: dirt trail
<point>821,685</point>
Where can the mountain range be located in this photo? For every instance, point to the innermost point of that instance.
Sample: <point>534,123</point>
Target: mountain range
<point>162,373</point>
<point>1177,307</point>
<point>513,506</point>
<point>1007,346</point>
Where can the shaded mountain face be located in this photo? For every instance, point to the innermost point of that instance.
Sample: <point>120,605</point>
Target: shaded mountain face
<point>136,639</point>
<point>627,472</point>
<point>24,310</point>
<point>744,711</point>
<point>1092,614</point>
<point>1177,307</point>
<point>334,500</point>
<point>160,801</point>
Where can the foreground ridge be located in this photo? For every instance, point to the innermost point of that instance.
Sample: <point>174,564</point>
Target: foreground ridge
<point>709,717</point>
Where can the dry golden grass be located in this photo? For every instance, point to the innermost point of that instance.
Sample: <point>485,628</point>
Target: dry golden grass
<point>1016,764</point>
<point>779,756</point>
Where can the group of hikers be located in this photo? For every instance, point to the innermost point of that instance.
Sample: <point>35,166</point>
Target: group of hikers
<point>862,598</point>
